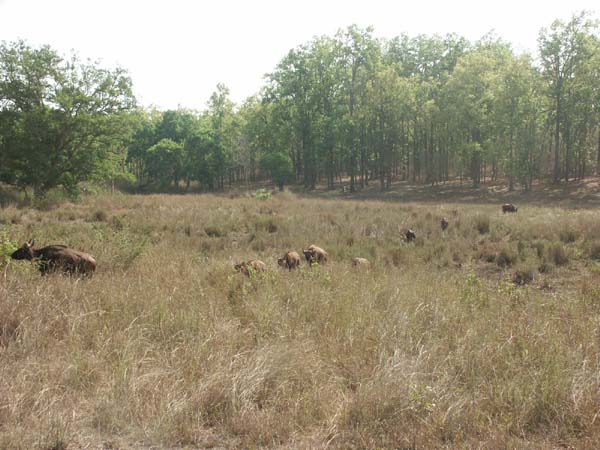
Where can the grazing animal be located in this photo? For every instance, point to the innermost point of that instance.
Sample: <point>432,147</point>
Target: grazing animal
<point>57,257</point>
<point>508,207</point>
<point>316,254</point>
<point>361,262</point>
<point>291,260</point>
<point>444,223</point>
<point>410,235</point>
<point>249,267</point>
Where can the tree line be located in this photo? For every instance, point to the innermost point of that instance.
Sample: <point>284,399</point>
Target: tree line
<point>347,108</point>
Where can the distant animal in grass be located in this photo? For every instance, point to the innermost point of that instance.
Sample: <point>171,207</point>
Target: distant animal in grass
<point>291,260</point>
<point>56,258</point>
<point>315,254</point>
<point>361,263</point>
<point>508,207</point>
<point>410,235</point>
<point>250,267</point>
<point>444,223</point>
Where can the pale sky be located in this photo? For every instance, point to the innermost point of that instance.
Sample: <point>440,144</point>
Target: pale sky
<point>176,51</point>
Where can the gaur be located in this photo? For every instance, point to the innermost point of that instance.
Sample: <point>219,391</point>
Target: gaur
<point>508,207</point>
<point>291,260</point>
<point>410,235</point>
<point>252,266</point>
<point>316,254</point>
<point>361,262</point>
<point>56,257</point>
<point>444,223</point>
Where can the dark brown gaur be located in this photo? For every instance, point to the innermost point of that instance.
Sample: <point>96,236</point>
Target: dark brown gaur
<point>410,235</point>
<point>444,223</point>
<point>57,258</point>
<point>291,260</point>
<point>508,207</point>
<point>252,266</point>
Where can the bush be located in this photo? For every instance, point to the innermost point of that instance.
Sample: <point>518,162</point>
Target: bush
<point>568,235</point>
<point>482,224</point>
<point>506,258</point>
<point>558,254</point>
<point>522,276</point>
<point>594,250</point>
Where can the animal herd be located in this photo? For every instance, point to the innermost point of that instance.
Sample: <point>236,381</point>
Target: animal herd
<point>62,258</point>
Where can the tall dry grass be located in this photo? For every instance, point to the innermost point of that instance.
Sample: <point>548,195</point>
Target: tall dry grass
<point>167,347</point>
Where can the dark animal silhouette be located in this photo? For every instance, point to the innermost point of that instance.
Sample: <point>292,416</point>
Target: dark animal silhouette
<point>410,235</point>
<point>252,266</point>
<point>444,223</point>
<point>291,260</point>
<point>57,258</point>
<point>508,207</point>
<point>316,254</point>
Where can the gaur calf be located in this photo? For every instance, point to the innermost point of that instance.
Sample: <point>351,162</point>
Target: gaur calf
<point>57,258</point>
<point>252,266</point>
<point>291,260</point>
<point>361,262</point>
<point>508,207</point>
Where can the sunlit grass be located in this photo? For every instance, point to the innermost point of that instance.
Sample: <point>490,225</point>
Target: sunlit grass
<point>168,346</point>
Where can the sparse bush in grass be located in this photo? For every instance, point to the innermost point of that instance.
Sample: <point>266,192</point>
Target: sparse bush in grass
<point>99,216</point>
<point>523,276</point>
<point>546,267</point>
<point>568,235</point>
<point>506,258</point>
<point>482,224</point>
<point>594,250</point>
<point>558,254</point>
<point>539,247</point>
<point>214,231</point>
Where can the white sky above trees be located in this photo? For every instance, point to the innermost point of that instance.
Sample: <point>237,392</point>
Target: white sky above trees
<point>176,51</point>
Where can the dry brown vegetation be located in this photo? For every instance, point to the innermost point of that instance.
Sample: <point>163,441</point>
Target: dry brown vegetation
<point>168,347</point>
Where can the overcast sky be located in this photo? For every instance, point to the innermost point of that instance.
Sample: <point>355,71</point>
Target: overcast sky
<point>177,51</point>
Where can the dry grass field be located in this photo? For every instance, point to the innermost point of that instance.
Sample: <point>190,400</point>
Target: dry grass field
<point>486,335</point>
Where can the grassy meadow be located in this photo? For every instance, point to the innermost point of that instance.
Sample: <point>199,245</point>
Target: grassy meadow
<point>486,335</point>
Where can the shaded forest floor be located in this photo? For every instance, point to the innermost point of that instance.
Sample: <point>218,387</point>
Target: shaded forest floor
<point>573,194</point>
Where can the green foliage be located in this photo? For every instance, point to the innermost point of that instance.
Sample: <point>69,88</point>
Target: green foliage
<point>279,166</point>
<point>62,121</point>
<point>262,194</point>
<point>6,247</point>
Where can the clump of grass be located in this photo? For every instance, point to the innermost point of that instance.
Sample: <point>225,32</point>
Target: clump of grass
<point>523,276</point>
<point>506,257</point>
<point>568,235</point>
<point>214,231</point>
<point>594,250</point>
<point>482,224</point>
<point>558,254</point>
<point>99,216</point>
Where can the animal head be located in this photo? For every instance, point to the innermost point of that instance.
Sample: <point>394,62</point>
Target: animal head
<point>410,236</point>
<point>444,223</point>
<point>281,262</point>
<point>25,251</point>
<point>309,255</point>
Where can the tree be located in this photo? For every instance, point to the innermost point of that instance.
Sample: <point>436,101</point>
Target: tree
<point>280,168</point>
<point>62,120</point>
<point>564,50</point>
